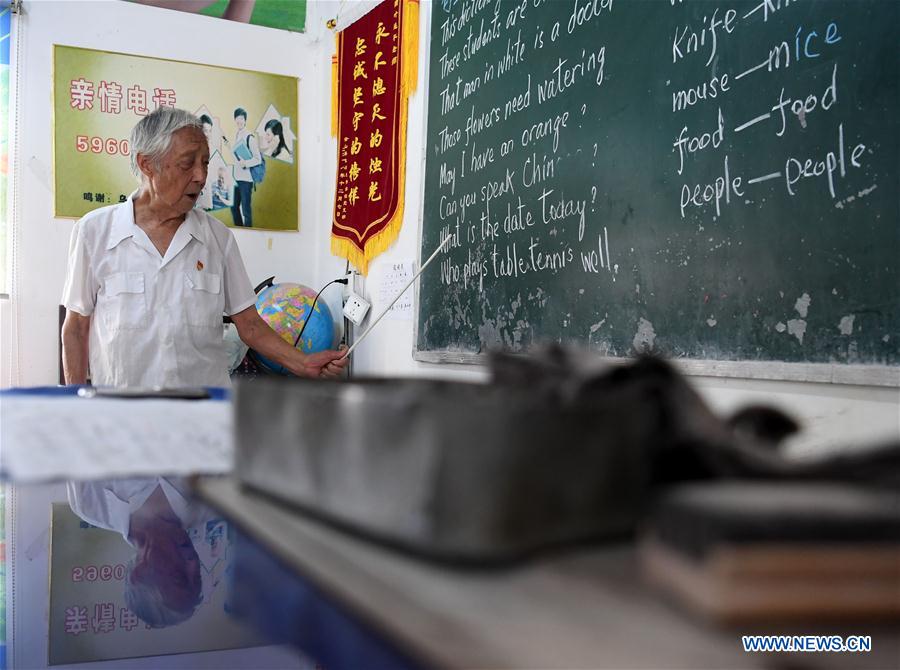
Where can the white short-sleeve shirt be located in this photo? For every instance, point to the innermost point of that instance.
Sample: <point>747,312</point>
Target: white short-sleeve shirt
<point>155,321</point>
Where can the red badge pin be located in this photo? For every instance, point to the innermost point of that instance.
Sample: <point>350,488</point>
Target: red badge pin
<point>199,265</point>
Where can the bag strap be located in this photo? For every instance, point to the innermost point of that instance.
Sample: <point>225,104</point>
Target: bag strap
<point>262,159</point>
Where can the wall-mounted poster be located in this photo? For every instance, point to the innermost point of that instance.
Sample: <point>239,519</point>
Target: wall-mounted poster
<point>249,118</point>
<point>111,598</point>
<point>281,14</point>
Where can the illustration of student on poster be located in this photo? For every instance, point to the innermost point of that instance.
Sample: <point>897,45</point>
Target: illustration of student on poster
<point>138,569</point>
<point>99,96</point>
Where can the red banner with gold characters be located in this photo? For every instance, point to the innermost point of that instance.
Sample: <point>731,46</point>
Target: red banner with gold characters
<point>374,73</point>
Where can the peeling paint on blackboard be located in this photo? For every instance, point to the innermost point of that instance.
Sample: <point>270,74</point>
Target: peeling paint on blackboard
<point>846,324</point>
<point>645,337</point>
<point>797,328</point>
<point>802,305</point>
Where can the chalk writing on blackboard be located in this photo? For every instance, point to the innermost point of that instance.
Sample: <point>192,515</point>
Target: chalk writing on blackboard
<point>666,176</point>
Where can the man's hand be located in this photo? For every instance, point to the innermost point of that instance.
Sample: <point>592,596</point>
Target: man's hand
<point>327,364</point>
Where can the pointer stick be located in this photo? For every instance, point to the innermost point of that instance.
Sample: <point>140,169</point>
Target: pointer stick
<point>397,297</point>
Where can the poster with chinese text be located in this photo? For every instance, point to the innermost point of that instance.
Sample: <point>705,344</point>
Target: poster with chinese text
<point>89,618</point>
<point>249,118</point>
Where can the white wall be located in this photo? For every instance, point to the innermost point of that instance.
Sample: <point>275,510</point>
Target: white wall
<point>836,414</point>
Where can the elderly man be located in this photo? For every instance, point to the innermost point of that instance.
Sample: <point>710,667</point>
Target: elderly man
<point>158,518</point>
<point>149,279</point>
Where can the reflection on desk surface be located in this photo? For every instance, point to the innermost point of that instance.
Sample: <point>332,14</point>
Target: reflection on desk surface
<point>139,569</point>
<point>162,579</point>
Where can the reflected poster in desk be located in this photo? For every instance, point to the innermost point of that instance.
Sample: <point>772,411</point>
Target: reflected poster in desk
<point>89,617</point>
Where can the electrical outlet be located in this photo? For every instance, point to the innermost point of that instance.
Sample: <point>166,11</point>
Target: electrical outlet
<point>355,308</point>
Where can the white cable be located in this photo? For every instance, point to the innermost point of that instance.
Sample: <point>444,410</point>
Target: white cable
<point>397,297</point>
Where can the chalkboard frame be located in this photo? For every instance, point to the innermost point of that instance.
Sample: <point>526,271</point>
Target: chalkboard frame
<point>827,373</point>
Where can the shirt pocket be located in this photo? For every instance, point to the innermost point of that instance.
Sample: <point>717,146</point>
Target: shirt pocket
<point>204,303</point>
<point>124,302</point>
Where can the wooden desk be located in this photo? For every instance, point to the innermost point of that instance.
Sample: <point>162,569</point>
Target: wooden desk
<point>351,603</point>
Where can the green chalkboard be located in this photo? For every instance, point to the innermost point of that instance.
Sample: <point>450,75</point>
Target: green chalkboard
<point>711,181</point>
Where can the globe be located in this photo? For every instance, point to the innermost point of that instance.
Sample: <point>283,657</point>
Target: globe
<point>285,308</point>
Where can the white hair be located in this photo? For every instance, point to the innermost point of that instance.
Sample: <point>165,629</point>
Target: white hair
<point>145,599</point>
<point>152,136</point>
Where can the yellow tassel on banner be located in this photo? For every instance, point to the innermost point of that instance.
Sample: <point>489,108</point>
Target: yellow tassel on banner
<point>410,74</point>
<point>344,248</point>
